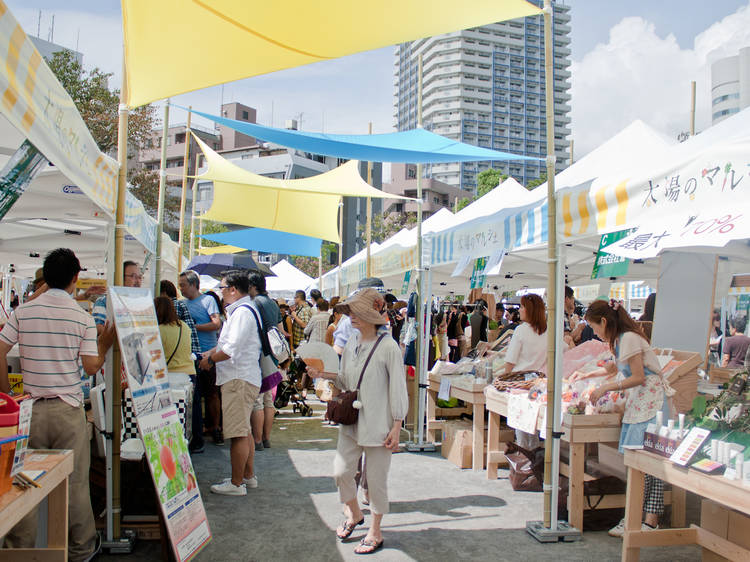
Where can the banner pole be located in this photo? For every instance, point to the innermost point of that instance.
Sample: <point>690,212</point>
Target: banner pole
<point>114,379</point>
<point>160,206</point>
<point>341,245</point>
<point>183,196</point>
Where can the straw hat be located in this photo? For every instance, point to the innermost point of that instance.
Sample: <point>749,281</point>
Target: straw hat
<point>367,304</point>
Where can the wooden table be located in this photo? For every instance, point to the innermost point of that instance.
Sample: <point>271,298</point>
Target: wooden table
<point>578,430</point>
<point>17,503</point>
<point>717,488</point>
<point>474,396</point>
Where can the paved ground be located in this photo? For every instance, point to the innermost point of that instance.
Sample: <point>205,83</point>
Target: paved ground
<point>438,512</point>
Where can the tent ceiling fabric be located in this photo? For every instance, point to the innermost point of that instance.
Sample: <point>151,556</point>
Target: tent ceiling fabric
<point>241,197</point>
<point>278,34</point>
<point>415,146</point>
<point>271,241</point>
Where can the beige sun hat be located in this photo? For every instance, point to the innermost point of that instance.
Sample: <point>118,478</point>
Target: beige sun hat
<point>367,304</point>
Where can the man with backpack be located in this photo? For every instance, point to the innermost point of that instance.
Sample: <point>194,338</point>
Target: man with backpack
<point>270,314</point>
<point>238,373</point>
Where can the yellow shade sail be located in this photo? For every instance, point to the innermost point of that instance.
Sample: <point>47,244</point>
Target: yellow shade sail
<point>224,249</point>
<point>307,206</point>
<point>234,39</point>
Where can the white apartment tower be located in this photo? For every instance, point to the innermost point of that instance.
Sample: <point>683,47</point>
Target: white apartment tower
<point>485,86</point>
<point>730,85</point>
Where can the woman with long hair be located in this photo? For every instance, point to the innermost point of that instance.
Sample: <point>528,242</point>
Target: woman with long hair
<point>644,388</point>
<point>374,356</point>
<point>527,351</point>
<point>175,337</point>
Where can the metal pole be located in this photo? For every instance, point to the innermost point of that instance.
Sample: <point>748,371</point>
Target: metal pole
<point>552,326</point>
<point>692,108</point>
<point>114,381</point>
<point>368,228</point>
<point>160,206</point>
<point>183,196</point>
<point>425,360</point>
<point>420,293</point>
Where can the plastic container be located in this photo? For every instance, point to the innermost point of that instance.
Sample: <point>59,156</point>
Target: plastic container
<point>8,416</point>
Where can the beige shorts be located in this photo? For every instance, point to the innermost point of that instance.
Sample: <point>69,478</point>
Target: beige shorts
<point>237,399</point>
<point>264,400</point>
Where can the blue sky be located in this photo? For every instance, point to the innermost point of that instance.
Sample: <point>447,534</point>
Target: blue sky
<point>657,47</point>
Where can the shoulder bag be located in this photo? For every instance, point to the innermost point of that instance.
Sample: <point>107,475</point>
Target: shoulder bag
<point>340,409</point>
<point>269,371</point>
<point>176,347</point>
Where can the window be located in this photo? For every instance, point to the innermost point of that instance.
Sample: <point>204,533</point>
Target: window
<point>179,138</point>
<point>725,98</point>
<point>245,116</point>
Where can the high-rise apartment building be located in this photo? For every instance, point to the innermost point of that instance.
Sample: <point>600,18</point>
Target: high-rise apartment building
<point>730,85</point>
<point>485,86</point>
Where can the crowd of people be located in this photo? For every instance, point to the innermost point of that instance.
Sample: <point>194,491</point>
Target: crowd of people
<point>220,341</point>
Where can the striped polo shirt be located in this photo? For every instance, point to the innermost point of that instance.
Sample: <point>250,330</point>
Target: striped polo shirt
<point>52,331</point>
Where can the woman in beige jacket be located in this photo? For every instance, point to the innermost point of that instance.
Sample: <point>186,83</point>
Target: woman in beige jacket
<point>383,402</point>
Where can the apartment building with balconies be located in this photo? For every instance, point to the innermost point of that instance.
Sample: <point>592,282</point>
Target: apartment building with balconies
<point>485,86</point>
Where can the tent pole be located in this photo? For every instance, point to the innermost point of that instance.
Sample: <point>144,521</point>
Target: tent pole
<point>160,207</point>
<point>191,251</point>
<point>420,292</point>
<point>114,380</point>
<point>320,269</point>
<point>183,196</point>
<point>552,324</point>
<point>368,228</point>
<point>341,245</point>
<point>692,108</point>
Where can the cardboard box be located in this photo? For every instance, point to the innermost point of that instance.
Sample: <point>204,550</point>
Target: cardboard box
<point>458,440</point>
<point>727,524</point>
<point>684,378</point>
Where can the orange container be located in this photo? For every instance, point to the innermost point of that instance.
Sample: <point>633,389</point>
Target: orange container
<point>6,463</point>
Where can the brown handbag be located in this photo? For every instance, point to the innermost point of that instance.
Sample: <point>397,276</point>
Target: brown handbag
<point>340,409</point>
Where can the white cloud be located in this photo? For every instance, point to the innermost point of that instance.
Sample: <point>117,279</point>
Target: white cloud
<point>639,75</point>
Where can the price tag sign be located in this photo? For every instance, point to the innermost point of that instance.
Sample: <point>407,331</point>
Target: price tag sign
<point>445,389</point>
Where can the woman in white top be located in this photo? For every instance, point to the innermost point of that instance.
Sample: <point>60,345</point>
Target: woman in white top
<point>384,404</point>
<point>527,350</point>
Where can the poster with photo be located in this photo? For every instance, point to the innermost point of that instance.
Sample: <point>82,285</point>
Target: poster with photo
<point>140,346</point>
<point>175,482</point>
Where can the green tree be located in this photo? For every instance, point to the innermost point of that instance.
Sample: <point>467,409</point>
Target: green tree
<point>463,203</point>
<point>488,180</point>
<point>386,225</point>
<point>537,182</point>
<point>209,227</point>
<point>309,264</point>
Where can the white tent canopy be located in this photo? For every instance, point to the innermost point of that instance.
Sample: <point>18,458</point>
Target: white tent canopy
<point>288,280</point>
<point>53,212</point>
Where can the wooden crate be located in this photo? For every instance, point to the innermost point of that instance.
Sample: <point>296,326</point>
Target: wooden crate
<point>720,375</point>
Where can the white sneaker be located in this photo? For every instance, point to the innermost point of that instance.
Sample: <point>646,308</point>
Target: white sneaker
<point>226,488</point>
<point>618,530</point>
<point>249,482</point>
<point>645,527</point>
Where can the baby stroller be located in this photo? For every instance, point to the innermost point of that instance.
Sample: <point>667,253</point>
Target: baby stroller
<point>287,391</point>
